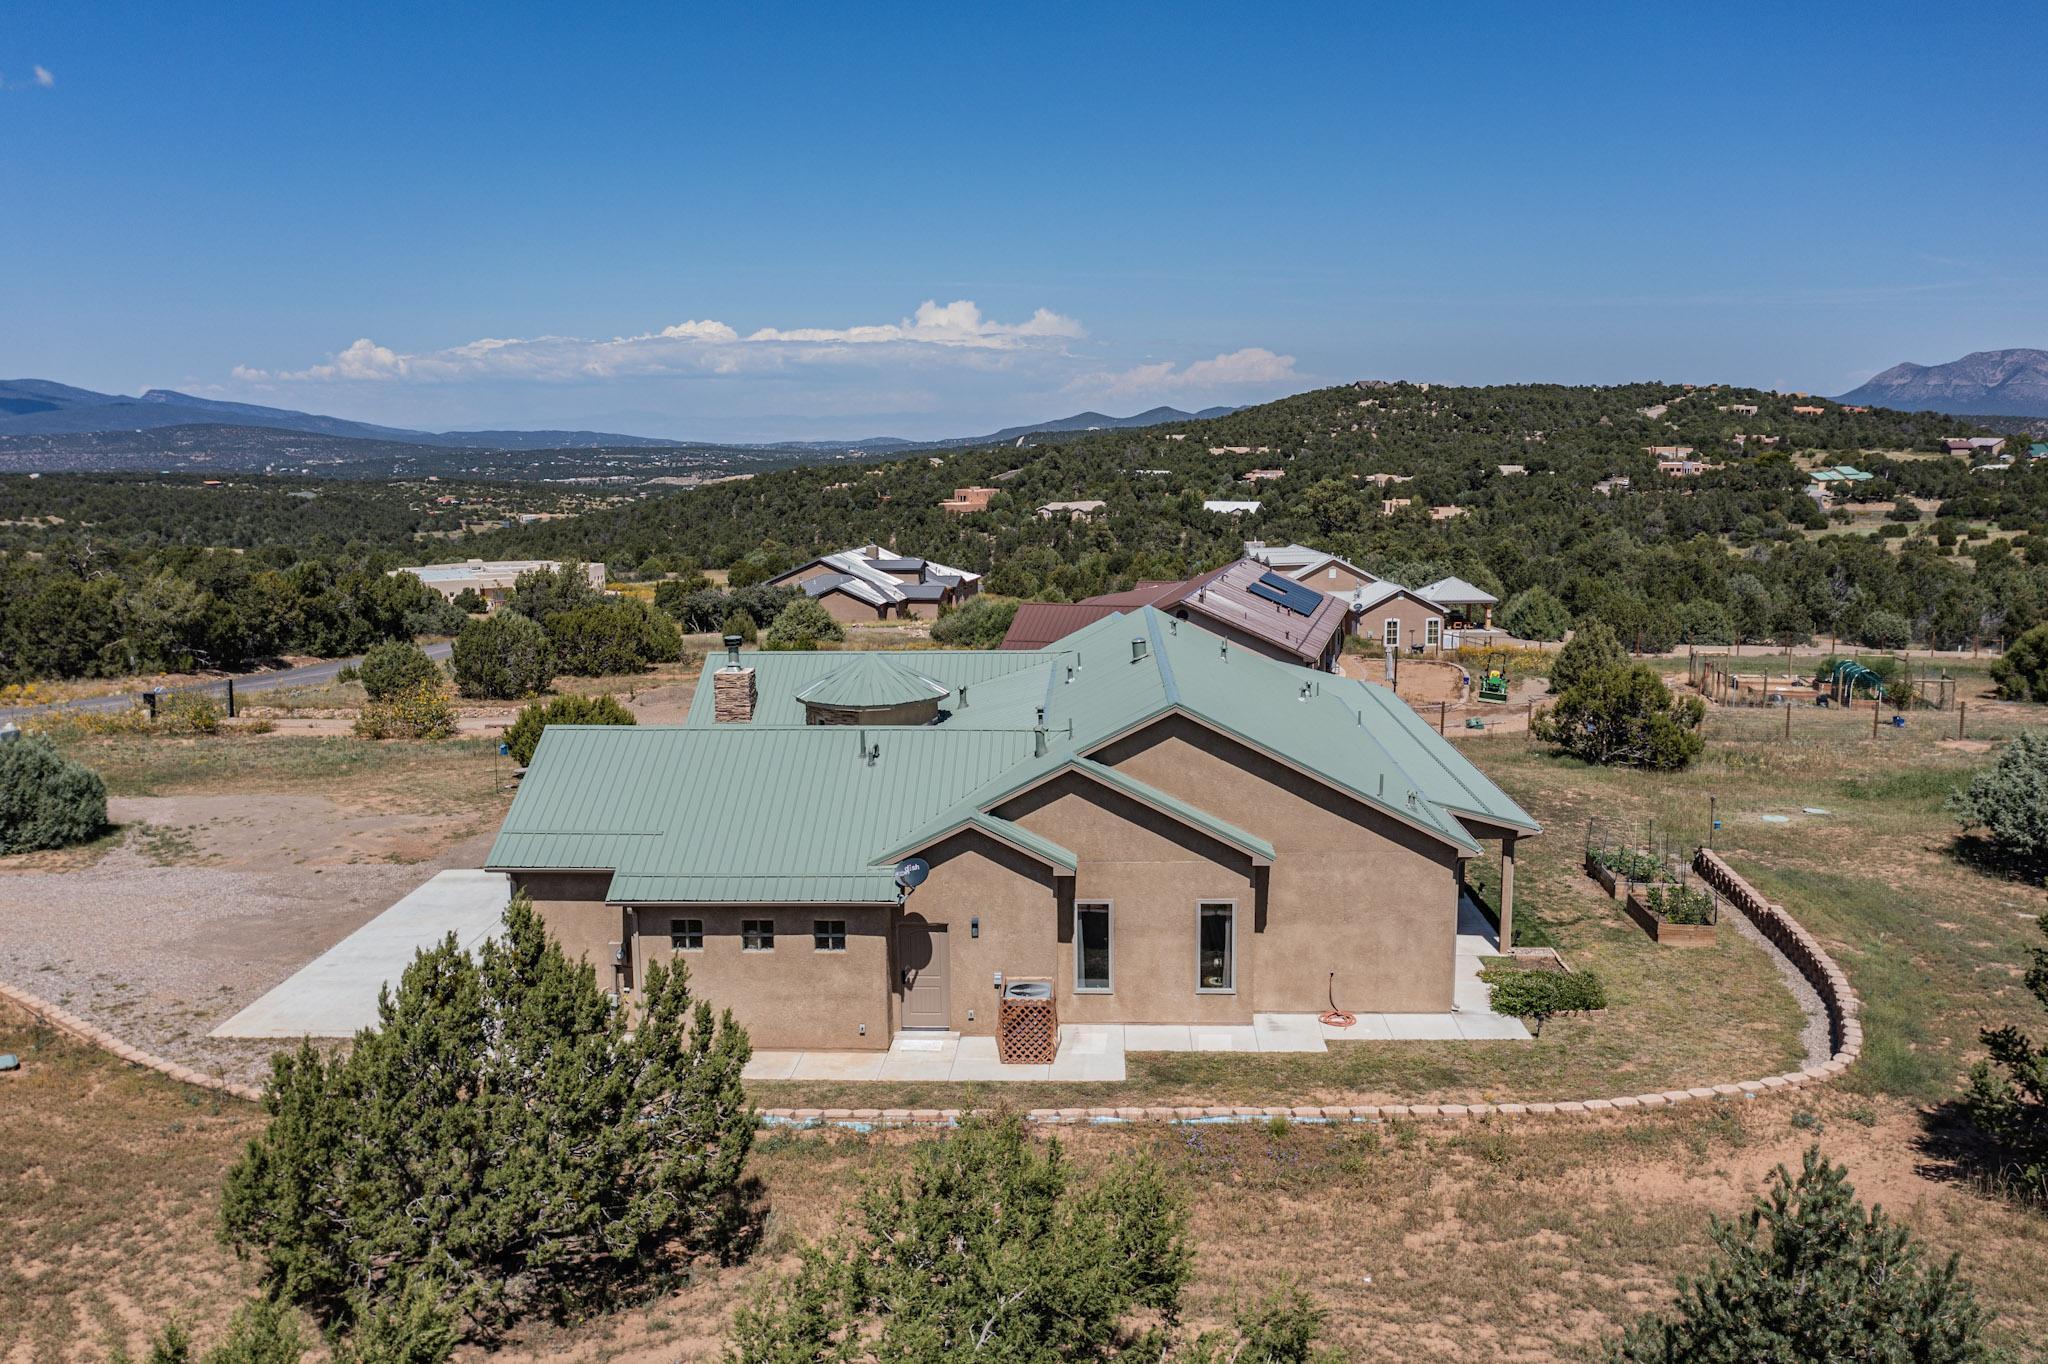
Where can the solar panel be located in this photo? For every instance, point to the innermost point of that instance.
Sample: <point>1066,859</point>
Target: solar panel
<point>1302,601</point>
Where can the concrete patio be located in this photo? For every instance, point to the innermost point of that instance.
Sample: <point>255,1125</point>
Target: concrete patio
<point>1096,1051</point>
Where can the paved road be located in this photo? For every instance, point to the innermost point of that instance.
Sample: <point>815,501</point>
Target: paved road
<point>310,675</point>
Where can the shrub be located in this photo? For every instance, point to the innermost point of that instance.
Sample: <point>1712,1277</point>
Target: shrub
<point>396,666</point>
<point>1591,649</point>
<point>1882,629</point>
<point>1807,1274</point>
<point>471,602</point>
<point>738,622</point>
<point>1537,995</point>
<point>187,712</point>
<point>550,1155</point>
<point>1704,622</point>
<point>2010,800</point>
<point>980,624</point>
<point>803,624</point>
<point>46,799</point>
<point>2022,671</point>
<point>541,592</point>
<point>524,736</point>
<point>616,635</point>
<point>261,1332</point>
<point>419,712</point>
<point>2009,1104</point>
<point>991,1249</point>
<point>1535,613</point>
<point>502,656</point>
<point>1680,904</point>
<point>1625,716</point>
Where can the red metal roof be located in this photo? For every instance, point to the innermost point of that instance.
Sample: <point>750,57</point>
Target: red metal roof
<point>1041,624</point>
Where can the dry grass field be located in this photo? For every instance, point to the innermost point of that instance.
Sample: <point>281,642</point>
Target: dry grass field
<point>1508,1241</point>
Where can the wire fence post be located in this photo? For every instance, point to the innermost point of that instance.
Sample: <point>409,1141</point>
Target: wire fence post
<point>1962,713</point>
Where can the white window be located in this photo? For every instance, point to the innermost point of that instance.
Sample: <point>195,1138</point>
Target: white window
<point>1216,947</point>
<point>1094,952</point>
<point>1432,631</point>
<point>1390,632</point>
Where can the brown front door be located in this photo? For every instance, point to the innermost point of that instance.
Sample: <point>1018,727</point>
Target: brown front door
<point>921,975</point>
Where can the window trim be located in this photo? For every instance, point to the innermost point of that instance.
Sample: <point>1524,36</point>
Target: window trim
<point>1390,632</point>
<point>750,928</point>
<point>676,930</point>
<point>1108,908</point>
<point>820,936</point>
<point>1432,631</point>
<point>1230,957</point>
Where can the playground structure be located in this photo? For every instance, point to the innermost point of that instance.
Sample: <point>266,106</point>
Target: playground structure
<point>1841,681</point>
<point>1493,680</point>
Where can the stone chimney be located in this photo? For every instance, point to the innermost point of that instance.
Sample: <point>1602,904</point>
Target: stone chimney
<point>732,695</point>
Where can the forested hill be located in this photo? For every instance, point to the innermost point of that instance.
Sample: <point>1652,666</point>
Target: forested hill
<point>1740,537</point>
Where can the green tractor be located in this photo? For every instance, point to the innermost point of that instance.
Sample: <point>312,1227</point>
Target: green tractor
<point>1493,681</point>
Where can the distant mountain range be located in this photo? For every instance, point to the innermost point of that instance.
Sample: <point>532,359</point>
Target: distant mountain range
<point>40,407</point>
<point>2002,383</point>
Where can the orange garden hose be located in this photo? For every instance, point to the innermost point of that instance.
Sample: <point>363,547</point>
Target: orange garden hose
<point>1336,1017</point>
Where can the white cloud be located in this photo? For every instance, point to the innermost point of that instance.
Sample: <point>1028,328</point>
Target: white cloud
<point>956,328</point>
<point>1251,366</point>
<point>44,78</point>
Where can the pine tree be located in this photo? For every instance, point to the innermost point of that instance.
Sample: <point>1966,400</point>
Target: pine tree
<point>2008,1098</point>
<point>992,1249</point>
<point>506,1133</point>
<point>1808,1275</point>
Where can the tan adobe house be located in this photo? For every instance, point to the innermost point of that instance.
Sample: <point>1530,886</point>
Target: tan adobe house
<point>1398,617</point>
<point>1323,571</point>
<point>1161,825</point>
<point>872,583</point>
<point>1245,602</point>
<point>965,500</point>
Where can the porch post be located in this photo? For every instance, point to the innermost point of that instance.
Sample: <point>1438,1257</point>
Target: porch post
<point>1507,893</point>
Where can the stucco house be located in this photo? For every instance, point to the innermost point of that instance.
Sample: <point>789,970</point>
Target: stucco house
<point>1164,826</point>
<point>873,583</point>
<point>1323,571</point>
<point>1398,617</point>
<point>492,579</point>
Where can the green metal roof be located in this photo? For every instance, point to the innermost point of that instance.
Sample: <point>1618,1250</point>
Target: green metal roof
<point>777,811</point>
<point>870,679</point>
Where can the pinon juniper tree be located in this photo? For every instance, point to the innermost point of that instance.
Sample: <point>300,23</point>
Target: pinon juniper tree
<point>991,1250</point>
<point>505,1132</point>
<point>2008,1098</point>
<point>1809,1275</point>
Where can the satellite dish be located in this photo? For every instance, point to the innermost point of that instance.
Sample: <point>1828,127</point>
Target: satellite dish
<point>910,873</point>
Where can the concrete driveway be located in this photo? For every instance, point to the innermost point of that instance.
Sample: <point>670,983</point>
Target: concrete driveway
<point>335,994</point>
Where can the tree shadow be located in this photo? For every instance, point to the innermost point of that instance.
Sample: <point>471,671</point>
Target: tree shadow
<point>1980,853</point>
<point>1952,1150</point>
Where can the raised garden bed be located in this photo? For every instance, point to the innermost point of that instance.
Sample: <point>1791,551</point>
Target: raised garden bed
<point>1643,904</point>
<point>1601,873</point>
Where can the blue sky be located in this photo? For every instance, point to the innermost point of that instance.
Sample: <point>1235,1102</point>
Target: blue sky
<point>758,221</point>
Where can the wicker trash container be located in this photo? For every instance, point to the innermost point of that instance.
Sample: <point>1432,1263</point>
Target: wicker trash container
<point>1028,1024</point>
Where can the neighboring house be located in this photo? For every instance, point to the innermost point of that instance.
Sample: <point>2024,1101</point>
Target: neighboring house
<point>1840,474</point>
<point>1755,439</point>
<point>1681,468</point>
<point>1807,410</point>
<point>1083,510</point>
<point>1511,470</point>
<point>1445,512</point>
<point>1989,446</point>
<point>2038,450</point>
<point>872,583</point>
<point>1390,505</point>
<point>1398,617</point>
<point>1240,450</point>
<point>1461,601</point>
<point>491,578</point>
<point>1263,475</point>
<point>1660,453</point>
<point>1746,409</point>
<point>1253,606</point>
<point>1323,571</point>
<point>1382,480</point>
<point>966,500</point>
<point>1608,487</point>
<point>1165,830</point>
<point>1228,507</point>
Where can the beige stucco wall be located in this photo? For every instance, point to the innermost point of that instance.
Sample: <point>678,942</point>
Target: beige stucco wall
<point>1336,580</point>
<point>1015,898</point>
<point>1412,614</point>
<point>1351,890</point>
<point>1153,871</point>
<point>794,996</point>
<point>571,904</point>
<point>848,610</point>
